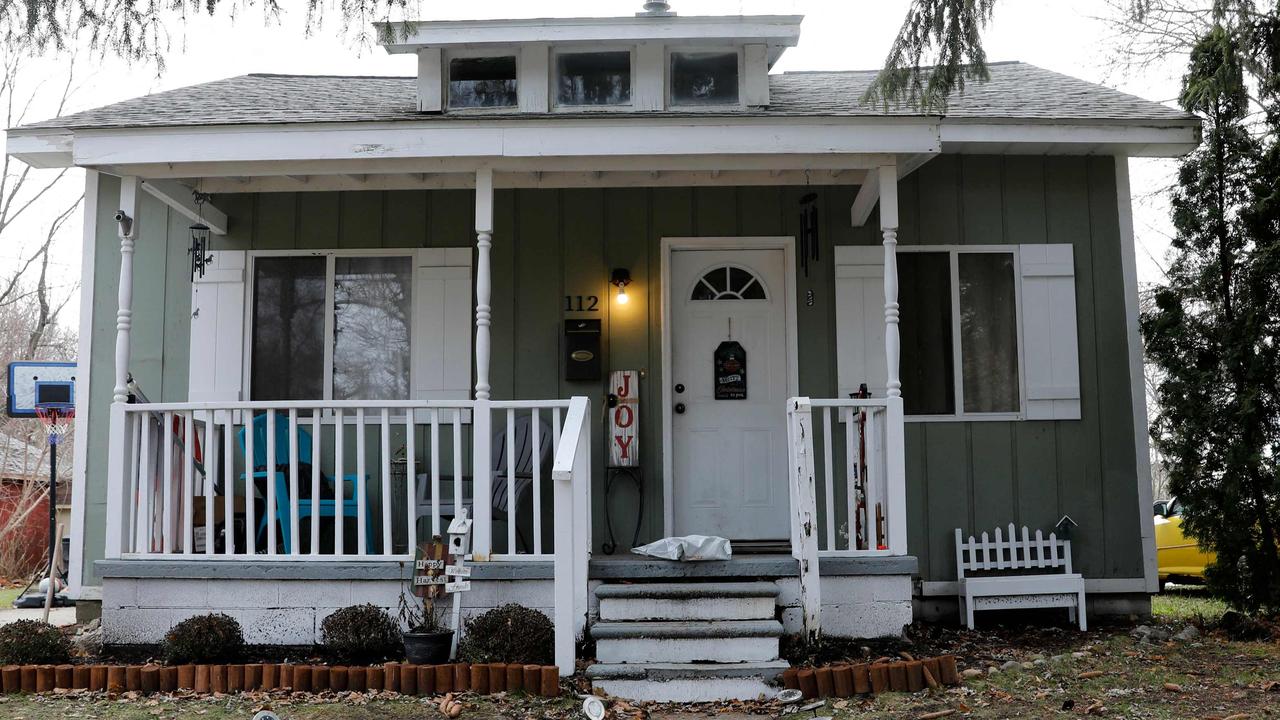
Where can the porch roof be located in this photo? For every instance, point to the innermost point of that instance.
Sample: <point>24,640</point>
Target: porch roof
<point>1017,92</point>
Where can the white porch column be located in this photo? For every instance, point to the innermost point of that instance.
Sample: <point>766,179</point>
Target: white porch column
<point>889,228</point>
<point>482,536</point>
<point>128,230</point>
<point>117,452</point>
<point>895,430</point>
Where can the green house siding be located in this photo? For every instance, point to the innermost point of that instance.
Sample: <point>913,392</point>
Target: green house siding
<point>553,243</point>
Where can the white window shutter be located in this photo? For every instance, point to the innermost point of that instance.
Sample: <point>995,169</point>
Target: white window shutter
<point>216,364</point>
<point>860,320</point>
<point>1051,353</point>
<point>442,324</point>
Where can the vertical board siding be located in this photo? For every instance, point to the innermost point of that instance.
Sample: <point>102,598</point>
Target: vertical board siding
<point>552,243</point>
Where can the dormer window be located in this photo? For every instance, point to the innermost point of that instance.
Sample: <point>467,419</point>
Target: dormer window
<point>482,82</point>
<point>593,78</point>
<point>704,78</point>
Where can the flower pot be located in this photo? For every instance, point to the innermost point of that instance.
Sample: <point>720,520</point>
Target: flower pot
<point>428,648</point>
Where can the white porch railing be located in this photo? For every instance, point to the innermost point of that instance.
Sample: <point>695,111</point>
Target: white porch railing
<point>332,480</point>
<point>382,471</point>
<point>847,484</point>
<point>571,474</point>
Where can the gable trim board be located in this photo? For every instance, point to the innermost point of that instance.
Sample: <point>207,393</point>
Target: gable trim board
<point>84,354</point>
<point>1048,347</point>
<point>1141,435</point>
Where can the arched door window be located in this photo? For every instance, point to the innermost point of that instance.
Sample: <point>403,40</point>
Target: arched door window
<point>729,282</point>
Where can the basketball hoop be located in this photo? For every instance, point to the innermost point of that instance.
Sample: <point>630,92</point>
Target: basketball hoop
<point>56,418</point>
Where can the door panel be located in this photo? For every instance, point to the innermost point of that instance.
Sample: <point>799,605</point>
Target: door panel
<point>729,456</point>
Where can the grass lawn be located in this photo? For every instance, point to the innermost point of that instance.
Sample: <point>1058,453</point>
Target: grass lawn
<point>7,596</point>
<point>1186,603</point>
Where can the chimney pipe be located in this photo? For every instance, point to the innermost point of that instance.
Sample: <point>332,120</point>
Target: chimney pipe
<point>656,8</point>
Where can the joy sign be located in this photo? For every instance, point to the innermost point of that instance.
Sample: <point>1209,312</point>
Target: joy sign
<point>624,417</point>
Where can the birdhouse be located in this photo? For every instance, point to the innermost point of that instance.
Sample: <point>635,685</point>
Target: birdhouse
<point>460,535</point>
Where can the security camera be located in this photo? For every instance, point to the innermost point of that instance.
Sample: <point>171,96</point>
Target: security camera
<point>125,222</point>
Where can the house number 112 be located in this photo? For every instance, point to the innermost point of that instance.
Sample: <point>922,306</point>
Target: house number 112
<point>581,303</point>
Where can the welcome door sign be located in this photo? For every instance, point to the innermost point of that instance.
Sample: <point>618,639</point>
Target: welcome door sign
<point>731,371</point>
<point>624,418</point>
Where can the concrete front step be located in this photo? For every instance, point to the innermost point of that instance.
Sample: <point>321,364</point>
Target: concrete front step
<point>688,601</point>
<point>687,682</point>
<point>687,641</point>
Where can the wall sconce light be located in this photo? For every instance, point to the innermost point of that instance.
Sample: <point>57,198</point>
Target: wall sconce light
<point>621,277</point>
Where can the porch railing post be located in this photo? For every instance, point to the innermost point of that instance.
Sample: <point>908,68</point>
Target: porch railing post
<point>482,536</point>
<point>570,473</point>
<point>581,522</point>
<point>117,466</point>
<point>804,511</point>
<point>894,430</point>
<point>895,462</point>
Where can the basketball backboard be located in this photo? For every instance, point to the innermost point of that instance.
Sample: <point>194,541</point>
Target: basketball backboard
<point>33,381</point>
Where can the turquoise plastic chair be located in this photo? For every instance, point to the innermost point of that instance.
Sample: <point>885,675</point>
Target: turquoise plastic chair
<point>307,507</point>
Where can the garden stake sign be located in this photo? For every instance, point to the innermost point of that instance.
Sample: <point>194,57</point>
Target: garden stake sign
<point>429,578</point>
<point>459,547</point>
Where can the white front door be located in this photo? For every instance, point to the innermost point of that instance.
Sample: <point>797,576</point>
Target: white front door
<point>728,390</point>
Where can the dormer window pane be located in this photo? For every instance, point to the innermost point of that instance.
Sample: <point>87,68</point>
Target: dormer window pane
<point>704,78</point>
<point>482,82</point>
<point>595,78</point>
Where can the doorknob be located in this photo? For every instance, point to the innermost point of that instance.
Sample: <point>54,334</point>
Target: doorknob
<point>679,408</point>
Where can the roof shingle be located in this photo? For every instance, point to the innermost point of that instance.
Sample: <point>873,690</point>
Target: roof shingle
<point>1016,91</point>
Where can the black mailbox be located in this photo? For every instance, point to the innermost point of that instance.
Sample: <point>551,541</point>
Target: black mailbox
<point>582,350</point>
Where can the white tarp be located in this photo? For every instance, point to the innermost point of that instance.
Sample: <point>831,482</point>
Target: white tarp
<point>688,548</point>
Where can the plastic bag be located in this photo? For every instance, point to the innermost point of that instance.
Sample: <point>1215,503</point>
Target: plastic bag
<point>688,548</point>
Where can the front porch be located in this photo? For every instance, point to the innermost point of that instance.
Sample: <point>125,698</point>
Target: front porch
<point>351,486</point>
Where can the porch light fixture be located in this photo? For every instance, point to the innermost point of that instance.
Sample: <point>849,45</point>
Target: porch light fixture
<point>621,277</point>
<point>199,250</point>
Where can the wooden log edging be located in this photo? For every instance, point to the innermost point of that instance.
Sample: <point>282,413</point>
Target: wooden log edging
<point>400,678</point>
<point>842,680</point>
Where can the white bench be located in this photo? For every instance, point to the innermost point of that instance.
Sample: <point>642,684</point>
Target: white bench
<point>1013,574</point>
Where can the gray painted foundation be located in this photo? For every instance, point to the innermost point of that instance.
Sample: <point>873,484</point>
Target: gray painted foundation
<point>284,603</point>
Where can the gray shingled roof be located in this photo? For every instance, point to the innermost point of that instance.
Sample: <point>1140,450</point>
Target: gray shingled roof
<point>22,459</point>
<point>1016,91</point>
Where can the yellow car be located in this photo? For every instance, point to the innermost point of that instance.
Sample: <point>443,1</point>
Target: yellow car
<point>1178,557</point>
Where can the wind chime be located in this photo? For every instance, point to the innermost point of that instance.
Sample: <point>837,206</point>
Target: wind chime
<point>199,250</point>
<point>809,241</point>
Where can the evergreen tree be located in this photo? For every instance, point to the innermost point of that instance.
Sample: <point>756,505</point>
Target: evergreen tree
<point>142,29</point>
<point>948,35</point>
<point>1214,331</point>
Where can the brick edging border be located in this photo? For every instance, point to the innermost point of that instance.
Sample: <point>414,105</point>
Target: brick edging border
<point>403,678</point>
<point>847,680</point>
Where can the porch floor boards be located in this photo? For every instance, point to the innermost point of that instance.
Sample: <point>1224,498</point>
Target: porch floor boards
<point>606,568</point>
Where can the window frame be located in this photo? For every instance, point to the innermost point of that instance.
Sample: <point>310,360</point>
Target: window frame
<point>331,257</point>
<point>470,54</point>
<point>669,99</point>
<point>957,360</point>
<point>553,78</point>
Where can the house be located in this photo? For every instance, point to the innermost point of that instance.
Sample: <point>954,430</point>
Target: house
<point>853,329</point>
<point>24,501</point>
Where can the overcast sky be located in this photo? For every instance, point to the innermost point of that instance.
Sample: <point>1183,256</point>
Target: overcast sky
<point>1069,36</point>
